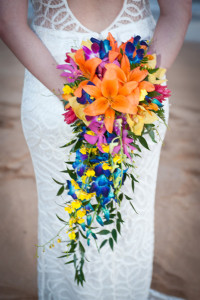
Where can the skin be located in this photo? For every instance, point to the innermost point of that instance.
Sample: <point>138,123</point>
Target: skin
<point>174,19</point>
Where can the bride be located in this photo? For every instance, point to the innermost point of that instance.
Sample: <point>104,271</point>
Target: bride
<point>58,26</point>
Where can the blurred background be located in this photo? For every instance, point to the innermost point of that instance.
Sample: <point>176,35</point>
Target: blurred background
<point>177,221</point>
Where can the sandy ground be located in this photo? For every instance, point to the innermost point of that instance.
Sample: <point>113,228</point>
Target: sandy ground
<point>177,224</point>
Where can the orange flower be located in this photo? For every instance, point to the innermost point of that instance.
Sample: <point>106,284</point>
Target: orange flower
<point>110,96</point>
<point>88,67</point>
<point>125,74</point>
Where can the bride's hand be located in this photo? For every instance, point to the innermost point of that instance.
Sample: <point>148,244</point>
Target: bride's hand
<point>27,47</point>
<point>175,16</point>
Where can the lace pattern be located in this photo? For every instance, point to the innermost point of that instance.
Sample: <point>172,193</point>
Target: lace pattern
<point>56,14</point>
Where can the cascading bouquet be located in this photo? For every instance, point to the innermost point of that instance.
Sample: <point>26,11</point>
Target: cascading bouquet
<point>112,99</point>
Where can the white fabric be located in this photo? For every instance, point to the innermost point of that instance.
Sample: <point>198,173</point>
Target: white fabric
<point>126,273</point>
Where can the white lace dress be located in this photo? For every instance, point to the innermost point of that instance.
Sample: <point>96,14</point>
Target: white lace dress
<point>126,273</point>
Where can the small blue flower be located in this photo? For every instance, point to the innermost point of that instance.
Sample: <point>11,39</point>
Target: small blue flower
<point>101,186</point>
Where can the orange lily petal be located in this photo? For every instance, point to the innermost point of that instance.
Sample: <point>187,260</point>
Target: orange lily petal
<point>113,42</point>
<point>109,85</point>
<point>97,81</point>
<point>122,104</point>
<point>78,91</point>
<point>148,86</point>
<point>119,72</point>
<point>79,57</point>
<point>128,87</point>
<point>134,97</point>
<point>112,55</point>
<point>109,119</point>
<point>137,74</point>
<point>93,91</point>
<point>91,65</point>
<point>125,64</point>
<point>98,107</point>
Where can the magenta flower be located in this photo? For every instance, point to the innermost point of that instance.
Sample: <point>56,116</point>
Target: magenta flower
<point>98,127</point>
<point>70,116</point>
<point>94,52</point>
<point>163,90</point>
<point>73,72</point>
<point>126,143</point>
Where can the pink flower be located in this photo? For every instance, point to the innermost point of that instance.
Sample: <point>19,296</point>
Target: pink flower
<point>163,90</point>
<point>70,116</point>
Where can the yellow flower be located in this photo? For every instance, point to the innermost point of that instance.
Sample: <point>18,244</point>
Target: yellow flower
<point>117,159</point>
<point>58,240</point>
<point>82,195</point>
<point>71,222</point>
<point>90,173</point>
<point>84,178</point>
<point>72,235</point>
<point>76,204</point>
<point>94,150</point>
<point>67,90</point>
<point>157,77</point>
<point>105,166</point>
<point>137,121</point>
<point>69,209</point>
<point>83,150</point>
<point>78,109</point>
<point>75,184</point>
<point>81,213</point>
<point>87,43</point>
<point>105,147</point>
<point>143,93</point>
<point>81,221</point>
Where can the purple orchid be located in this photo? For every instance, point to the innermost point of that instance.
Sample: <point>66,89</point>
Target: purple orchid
<point>91,53</point>
<point>126,143</point>
<point>73,72</point>
<point>98,127</point>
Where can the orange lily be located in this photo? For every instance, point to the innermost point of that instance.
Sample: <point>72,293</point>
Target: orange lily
<point>88,67</point>
<point>110,96</point>
<point>125,74</point>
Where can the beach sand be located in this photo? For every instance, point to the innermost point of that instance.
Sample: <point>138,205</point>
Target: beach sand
<point>177,221</point>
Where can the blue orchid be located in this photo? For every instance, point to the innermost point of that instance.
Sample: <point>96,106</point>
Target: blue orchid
<point>104,47</point>
<point>85,97</point>
<point>101,186</point>
<point>71,189</point>
<point>100,171</point>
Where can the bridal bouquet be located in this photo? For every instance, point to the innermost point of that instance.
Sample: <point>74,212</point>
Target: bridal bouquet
<point>112,99</point>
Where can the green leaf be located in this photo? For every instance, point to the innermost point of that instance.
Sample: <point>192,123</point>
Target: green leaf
<point>61,190</point>
<point>133,178</point>
<point>119,227</point>
<point>103,244</point>
<point>103,232</point>
<point>82,249</point>
<point>77,146</point>
<point>128,198</point>
<point>69,262</point>
<point>133,207</point>
<point>114,234</point>
<point>58,182</point>
<point>132,185</point>
<point>83,235</point>
<point>108,222</point>
<point>120,197</point>
<point>152,136</point>
<point>60,219</point>
<point>68,144</point>
<point>111,243</point>
<point>143,142</point>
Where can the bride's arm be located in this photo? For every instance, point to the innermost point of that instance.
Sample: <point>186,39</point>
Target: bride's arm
<point>27,47</point>
<point>170,30</point>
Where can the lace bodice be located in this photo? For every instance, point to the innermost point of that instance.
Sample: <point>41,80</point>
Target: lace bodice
<point>56,14</point>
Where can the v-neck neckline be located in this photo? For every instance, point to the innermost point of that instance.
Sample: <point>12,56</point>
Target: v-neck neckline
<point>95,32</point>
